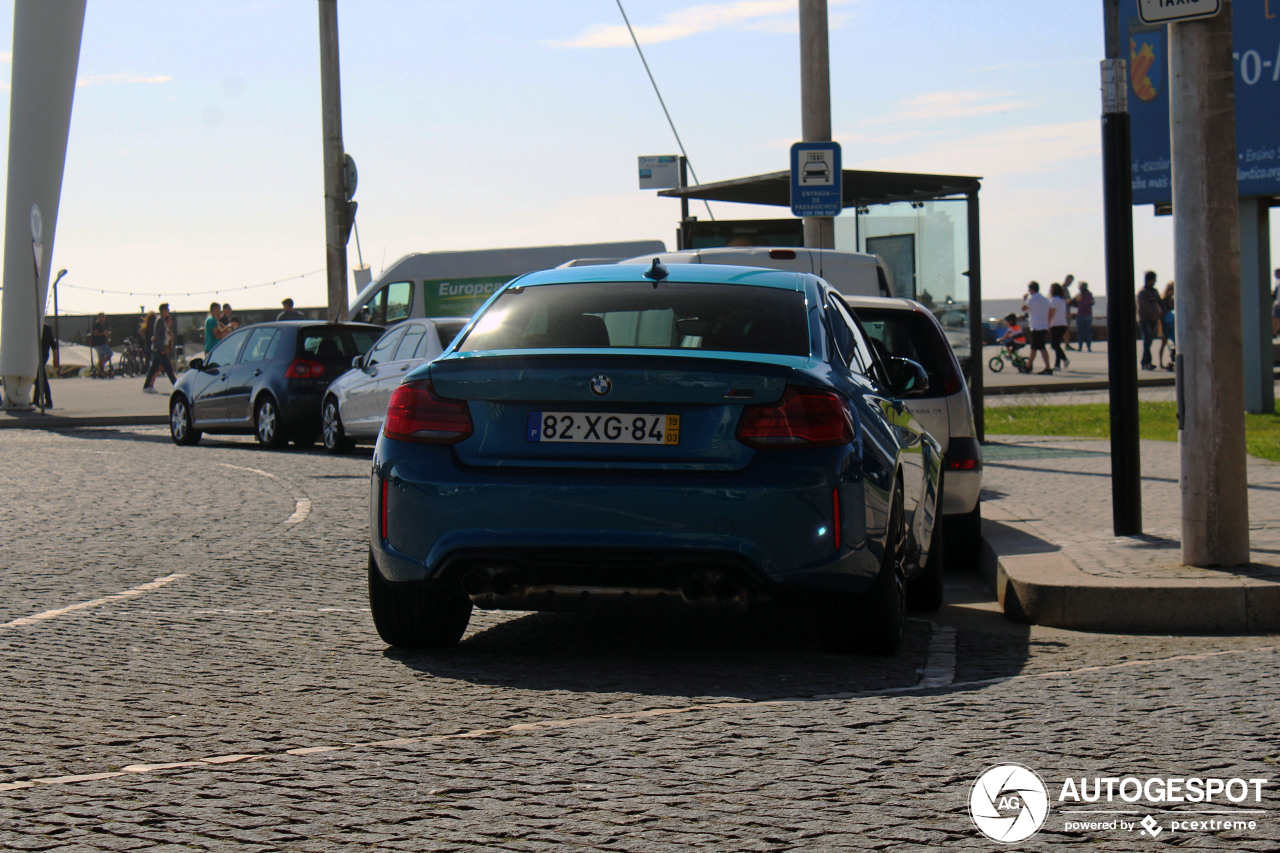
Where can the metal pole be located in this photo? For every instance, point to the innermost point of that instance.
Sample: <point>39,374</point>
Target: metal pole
<point>815,104</point>
<point>976,365</point>
<point>335,195</point>
<point>57,364</point>
<point>1122,358</point>
<point>684,204</point>
<point>1215,501</point>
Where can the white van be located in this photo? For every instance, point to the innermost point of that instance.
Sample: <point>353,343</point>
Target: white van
<point>851,273</point>
<point>455,284</point>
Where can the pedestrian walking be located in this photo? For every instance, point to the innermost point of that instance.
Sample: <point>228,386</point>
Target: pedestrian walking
<point>227,321</point>
<point>1168,336</point>
<point>1275,307</point>
<point>289,312</point>
<point>48,343</point>
<point>145,332</point>
<point>1066,297</point>
<point>1083,302</point>
<point>161,346</point>
<point>1038,310</point>
<point>212,328</point>
<point>1058,325</point>
<point>100,343</point>
<point>1150,311</point>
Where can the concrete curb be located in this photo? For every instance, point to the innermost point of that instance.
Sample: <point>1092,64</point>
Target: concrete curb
<point>34,420</point>
<point>1036,583</point>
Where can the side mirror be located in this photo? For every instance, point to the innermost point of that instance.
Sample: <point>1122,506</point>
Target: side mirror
<point>357,362</point>
<point>906,377</point>
<point>196,364</point>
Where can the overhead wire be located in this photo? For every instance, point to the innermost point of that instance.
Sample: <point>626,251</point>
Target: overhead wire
<point>665,111</point>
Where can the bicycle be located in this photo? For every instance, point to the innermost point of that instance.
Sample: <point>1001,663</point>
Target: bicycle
<point>1020,362</point>
<point>133,360</point>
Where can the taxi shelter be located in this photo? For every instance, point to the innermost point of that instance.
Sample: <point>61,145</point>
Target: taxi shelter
<point>925,226</point>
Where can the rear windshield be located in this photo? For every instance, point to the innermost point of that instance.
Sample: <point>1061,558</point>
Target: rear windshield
<point>337,343</point>
<point>910,334</point>
<point>670,315</point>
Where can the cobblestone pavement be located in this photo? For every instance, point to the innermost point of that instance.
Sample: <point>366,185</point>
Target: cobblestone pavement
<point>189,664</point>
<point>1061,488</point>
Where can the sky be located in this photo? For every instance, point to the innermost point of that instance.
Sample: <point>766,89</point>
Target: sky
<point>194,165</point>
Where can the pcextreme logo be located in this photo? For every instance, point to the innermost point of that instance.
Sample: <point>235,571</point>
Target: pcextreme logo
<point>1010,803</point>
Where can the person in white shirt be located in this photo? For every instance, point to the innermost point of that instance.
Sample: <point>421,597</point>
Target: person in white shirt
<point>1058,325</point>
<point>1039,317</point>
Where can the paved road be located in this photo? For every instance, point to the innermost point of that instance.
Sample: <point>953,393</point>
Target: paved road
<point>190,665</point>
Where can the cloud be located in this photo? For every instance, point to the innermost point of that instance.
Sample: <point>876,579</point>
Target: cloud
<point>1020,150</point>
<point>126,79</point>
<point>951,104</point>
<point>765,15</point>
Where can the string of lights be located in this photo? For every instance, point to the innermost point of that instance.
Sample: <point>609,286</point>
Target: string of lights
<point>172,294</point>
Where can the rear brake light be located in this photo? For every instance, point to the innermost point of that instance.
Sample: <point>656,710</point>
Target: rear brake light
<point>304,368</point>
<point>963,454</point>
<point>804,417</point>
<point>782,254</point>
<point>415,413</point>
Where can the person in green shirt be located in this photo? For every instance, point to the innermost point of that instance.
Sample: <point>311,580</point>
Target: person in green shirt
<point>211,335</point>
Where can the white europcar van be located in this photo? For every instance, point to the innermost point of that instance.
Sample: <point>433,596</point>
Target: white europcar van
<point>851,273</point>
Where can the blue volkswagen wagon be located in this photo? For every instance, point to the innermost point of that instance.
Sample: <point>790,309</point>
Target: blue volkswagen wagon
<point>698,434</point>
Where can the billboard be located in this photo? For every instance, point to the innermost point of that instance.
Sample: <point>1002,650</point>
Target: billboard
<point>1256,35</point>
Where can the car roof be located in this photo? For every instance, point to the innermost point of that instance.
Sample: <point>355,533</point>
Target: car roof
<point>677,273</point>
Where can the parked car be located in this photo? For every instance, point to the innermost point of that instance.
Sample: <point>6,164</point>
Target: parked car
<point>355,404</point>
<point>266,379</point>
<point>695,435</point>
<point>908,330</point>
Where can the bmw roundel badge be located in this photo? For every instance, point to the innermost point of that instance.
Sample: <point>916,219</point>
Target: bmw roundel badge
<point>601,385</point>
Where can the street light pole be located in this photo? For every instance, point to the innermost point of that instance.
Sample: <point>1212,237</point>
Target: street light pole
<point>57,364</point>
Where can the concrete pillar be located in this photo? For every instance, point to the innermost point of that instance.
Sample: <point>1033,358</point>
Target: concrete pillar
<point>1215,507</point>
<point>815,104</point>
<point>1255,305</point>
<point>46,53</point>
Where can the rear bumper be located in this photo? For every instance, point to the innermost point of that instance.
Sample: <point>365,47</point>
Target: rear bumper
<point>769,528</point>
<point>962,485</point>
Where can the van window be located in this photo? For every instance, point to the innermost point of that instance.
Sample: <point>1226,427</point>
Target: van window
<point>391,304</point>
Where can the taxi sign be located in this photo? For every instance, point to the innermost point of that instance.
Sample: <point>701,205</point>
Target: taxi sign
<point>1171,11</point>
<point>816,187</point>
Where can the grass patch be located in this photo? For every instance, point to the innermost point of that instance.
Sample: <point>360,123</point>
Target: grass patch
<point>1156,420</point>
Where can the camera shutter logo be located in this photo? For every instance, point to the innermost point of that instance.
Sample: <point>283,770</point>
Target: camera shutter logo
<point>1009,803</point>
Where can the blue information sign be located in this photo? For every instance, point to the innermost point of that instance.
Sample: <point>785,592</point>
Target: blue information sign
<point>816,186</point>
<point>1256,37</point>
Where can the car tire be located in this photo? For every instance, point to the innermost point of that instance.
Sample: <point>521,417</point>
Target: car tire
<point>925,591</point>
<point>335,436</point>
<point>963,538</point>
<point>180,428</point>
<point>416,615</point>
<point>874,623</point>
<point>996,363</point>
<point>268,425</point>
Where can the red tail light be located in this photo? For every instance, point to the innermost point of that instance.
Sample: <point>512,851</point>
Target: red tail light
<point>804,417</point>
<point>415,413</point>
<point>304,368</point>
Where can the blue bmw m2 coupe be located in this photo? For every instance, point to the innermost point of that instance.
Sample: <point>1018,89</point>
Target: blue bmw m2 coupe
<point>694,434</point>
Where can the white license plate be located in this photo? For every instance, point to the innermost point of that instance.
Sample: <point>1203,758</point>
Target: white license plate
<point>604,428</point>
